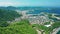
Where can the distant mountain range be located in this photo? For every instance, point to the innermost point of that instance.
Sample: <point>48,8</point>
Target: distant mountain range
<point>9,8</point>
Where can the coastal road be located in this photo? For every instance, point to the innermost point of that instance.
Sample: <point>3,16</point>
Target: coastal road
<point>56,30</point>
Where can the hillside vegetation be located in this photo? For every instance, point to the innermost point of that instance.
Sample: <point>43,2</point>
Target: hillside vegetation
<point>20,27</point>
<point>7,15</point>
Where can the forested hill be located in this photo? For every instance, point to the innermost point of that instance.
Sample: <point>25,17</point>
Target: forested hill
<point>7,15</point>
<point>18,27</point>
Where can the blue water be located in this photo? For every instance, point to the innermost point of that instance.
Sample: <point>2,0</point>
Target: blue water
<point>58,32</point>
<point>53,11</point>
<point>34,12</point>
<point>57,11</point>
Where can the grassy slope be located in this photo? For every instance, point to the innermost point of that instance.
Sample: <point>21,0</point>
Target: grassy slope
<point>21,27</point>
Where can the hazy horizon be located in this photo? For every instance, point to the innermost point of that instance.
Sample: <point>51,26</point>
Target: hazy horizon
<point>36,3</point>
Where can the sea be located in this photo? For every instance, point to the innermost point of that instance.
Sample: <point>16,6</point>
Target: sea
<point>57,11</point>
<point>58,32</point>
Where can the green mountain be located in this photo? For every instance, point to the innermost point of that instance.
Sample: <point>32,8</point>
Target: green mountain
<point>18,27</point>
<point>7,15</point>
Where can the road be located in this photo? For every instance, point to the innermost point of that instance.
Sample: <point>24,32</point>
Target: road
<point>56,30</point>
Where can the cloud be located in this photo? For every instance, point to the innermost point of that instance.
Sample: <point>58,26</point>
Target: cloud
<point>8,3</point>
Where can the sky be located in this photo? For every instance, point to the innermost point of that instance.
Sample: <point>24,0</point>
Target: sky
<point>51,3</point>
